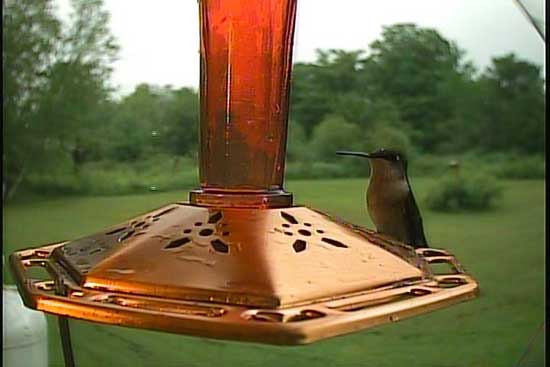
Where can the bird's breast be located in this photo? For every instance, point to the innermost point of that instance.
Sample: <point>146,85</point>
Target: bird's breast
<point>387,192</point>
<point>385,204</point>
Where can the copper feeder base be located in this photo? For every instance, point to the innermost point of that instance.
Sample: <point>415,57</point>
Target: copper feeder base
<point>279,276</point>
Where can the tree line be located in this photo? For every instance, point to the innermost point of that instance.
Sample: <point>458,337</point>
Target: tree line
<point>411,89</point>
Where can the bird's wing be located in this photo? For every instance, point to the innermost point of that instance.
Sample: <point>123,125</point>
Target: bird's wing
<point>414,222</point>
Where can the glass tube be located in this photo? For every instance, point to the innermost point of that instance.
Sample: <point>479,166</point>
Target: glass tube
<point>246,57</point>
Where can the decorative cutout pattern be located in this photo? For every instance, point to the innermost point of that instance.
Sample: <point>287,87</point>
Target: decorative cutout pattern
<point>305,315</point>
<point>299,245</point>
<point>332,242</point>
<point>289,218</point>
<point>177,243</point>
<point>117,230</point>
<point>220,246</point>
<point>206,232</point>
<point>203,230</point>
<point>215,218</point>
<point>306,233</point>
<point>126,235</point>
<point>158,215</point>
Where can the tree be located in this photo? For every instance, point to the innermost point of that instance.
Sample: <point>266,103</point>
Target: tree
<point>407,66</point>
<point>390,138</point>
<point>338,70</point>
<point>309,100</point>
<point>136,122</point>
<point>318,88</point>
<point>78,89</point>
<point>513,107</point>
<point>297,143</point>
<point>30,39</point>
<point>460,131</point>
<point>181,122</point>
<point>55,84</point>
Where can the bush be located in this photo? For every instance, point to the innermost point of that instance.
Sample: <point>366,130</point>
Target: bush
<point>297,143</point>
<point>332,134</point>
<point>389,138</point>
<point>316,170</point>
<point>529,167</point>
<point>47,184</point>
<point>463,192</point>
<point>161,173</point>
<point>429,165</point>
<point>500,165</point>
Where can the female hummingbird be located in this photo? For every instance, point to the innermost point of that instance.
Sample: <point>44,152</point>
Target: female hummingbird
<point>390,200</point>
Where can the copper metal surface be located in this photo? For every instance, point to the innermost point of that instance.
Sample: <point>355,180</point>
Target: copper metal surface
<point>260,200</point>
<point>63,324</point>
<point>283,276</point>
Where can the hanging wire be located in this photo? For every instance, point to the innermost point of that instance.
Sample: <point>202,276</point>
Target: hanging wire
<point>530,345</point>
<point>531,19</point>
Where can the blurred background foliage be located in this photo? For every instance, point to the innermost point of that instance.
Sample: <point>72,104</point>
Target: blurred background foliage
<point>66,133</point>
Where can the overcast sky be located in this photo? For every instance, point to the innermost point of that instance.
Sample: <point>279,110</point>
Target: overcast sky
<point>160,39</point>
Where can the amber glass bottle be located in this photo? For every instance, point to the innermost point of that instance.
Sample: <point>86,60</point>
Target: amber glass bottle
<point>246,57</point>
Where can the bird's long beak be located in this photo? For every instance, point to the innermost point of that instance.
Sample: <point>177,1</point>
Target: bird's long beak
<point>356,154</point>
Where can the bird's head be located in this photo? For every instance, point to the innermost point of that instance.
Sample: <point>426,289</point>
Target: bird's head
<point>383,159</point>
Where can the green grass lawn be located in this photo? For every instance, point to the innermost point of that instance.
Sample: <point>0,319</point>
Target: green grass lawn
<point>503,248</point>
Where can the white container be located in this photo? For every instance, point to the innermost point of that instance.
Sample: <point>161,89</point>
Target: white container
<point>24,333</point>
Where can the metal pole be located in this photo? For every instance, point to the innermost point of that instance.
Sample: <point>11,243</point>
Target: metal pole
<point>64,331</point>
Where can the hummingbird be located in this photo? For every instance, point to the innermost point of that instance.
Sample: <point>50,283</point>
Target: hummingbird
<point>390,200</point>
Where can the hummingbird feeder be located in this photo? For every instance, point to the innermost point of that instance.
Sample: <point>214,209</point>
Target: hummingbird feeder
<point>239,261</point>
